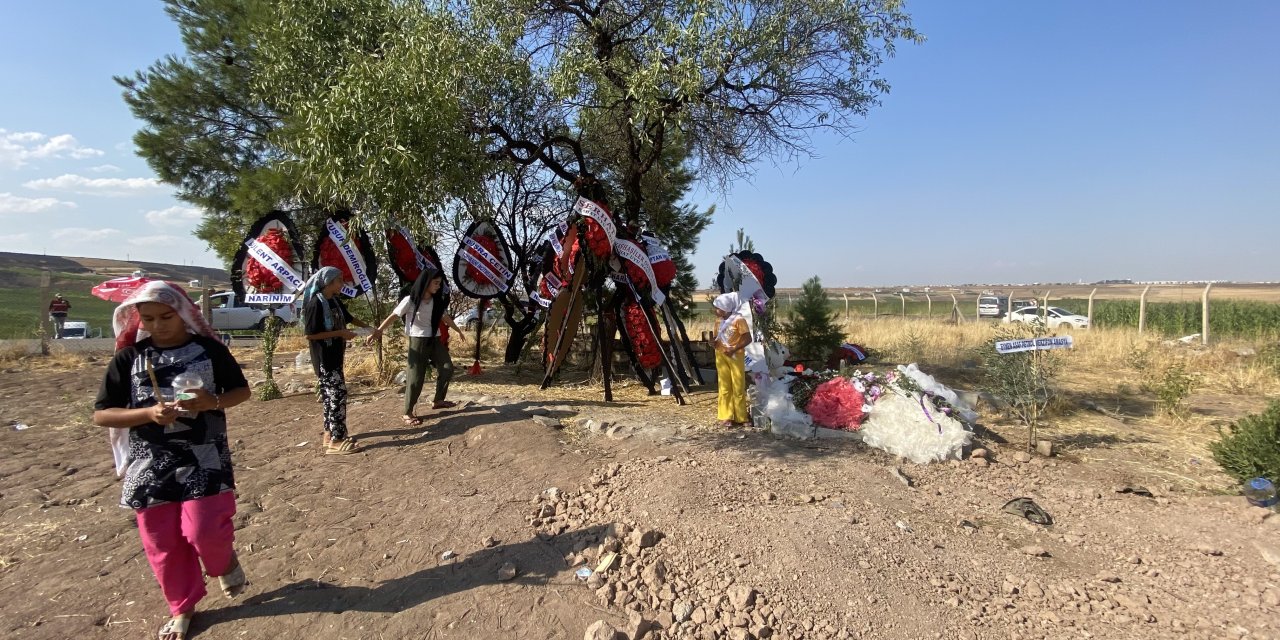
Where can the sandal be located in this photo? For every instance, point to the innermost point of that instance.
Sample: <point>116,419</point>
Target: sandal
<point>233,582</point>
<point>443,404</point>
<point>411,421</point>
<point>342,448</point>
<point>176,627</point>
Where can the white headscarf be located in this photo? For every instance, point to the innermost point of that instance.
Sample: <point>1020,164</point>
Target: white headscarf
<point>127,323</point>
<point>728,303</point>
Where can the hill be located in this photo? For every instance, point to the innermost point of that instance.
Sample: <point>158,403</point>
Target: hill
<point>23,301</point>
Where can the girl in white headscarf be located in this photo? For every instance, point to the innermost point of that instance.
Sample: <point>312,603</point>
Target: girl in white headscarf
<point>172,450</point>
<point>732,338</point>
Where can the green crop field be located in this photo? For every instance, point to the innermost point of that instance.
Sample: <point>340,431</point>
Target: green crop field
<point>22,306</point>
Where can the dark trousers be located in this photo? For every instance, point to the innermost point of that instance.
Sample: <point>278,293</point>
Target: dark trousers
<point>333,393</point>
<point>423,353</point>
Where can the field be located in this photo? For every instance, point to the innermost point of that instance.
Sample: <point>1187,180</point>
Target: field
<point>815,540</point>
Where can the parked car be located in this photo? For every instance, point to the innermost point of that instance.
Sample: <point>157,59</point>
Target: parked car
<point>75,330</point>
<point>230,314</point>
<point>992,306</point>
<point>1053,317</point>
<point>468,319</point>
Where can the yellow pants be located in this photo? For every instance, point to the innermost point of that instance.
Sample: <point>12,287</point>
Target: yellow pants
<point>731,377</point>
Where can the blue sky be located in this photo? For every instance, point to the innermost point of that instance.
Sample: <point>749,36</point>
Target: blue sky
<point>1025,141</point>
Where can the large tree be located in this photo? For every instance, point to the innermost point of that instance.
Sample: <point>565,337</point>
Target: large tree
<point>205,132</point>
<point>405,104</point>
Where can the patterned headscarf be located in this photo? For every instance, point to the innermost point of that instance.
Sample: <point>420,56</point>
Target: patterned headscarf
<point>322,278</point>
<point>127,323</point>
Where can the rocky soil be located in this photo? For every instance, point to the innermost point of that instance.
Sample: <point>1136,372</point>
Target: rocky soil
<point>525,514</point>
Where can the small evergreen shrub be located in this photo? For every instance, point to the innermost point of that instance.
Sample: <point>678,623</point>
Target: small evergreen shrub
<point>1171,388</point>
<point>1250,447</point>
<point>811,331</point>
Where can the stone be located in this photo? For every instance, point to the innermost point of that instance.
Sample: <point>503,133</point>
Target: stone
<point>1208,550</point>
<point>645,538</point>
<point>637,626</point>
<point>665,620</point>
<point>1108,577</point>
<point>738,633</point>
<point>682,610</point>
<point>489,542</point>
<point>981,462</point>
<point>1045,448</point>
<point>655,575</point>
<point>741,597</point>
<point>449,555</point>
<point>547,421</point>
<point>1035,551</point>
<point>601,630</point>
<point>1022,456</point>
<point>979,453</point>
<point>506,572</point>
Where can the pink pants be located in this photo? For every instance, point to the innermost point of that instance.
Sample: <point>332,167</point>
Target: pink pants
<point>179,535</point>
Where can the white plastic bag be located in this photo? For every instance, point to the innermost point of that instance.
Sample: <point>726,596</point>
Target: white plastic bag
<point>929,384</point>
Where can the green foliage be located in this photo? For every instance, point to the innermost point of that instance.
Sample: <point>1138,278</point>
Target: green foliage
<point>1250,447</point>
<point>811,330</point>
<point>911,346</point>
<point>1227,318</point>
<point>1022,380</point>
<point>1171,387</point>
<point>270,338</point>
<point>204,131</point>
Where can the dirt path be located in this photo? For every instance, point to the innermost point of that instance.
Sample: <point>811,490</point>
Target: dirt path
<point>748,536</point>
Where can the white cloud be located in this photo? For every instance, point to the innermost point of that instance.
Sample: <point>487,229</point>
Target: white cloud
<point>105,168</point>
<point>95,186</point>
<point>174,216</point>
<point>80,234</point>
<point>16,239</point>
<point>10,203</point>
<point>154,241</point>
<point>18,148</point>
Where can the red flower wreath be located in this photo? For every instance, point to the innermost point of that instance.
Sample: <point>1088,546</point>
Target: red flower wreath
<point>489,245</point>
<point>597,239</point>
<point>641,335</point>
<point>636,275</point>
<point>260,278</point>
<point>756,270</point>
<point>836,404</point>
<point>331,256</point>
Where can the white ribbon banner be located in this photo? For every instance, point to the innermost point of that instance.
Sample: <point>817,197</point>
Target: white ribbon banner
<point>594,211</point>
<point>1035,344</point>
<point>422,260</point>
<point>554,284</point>
<point>657,252</point>
<point>354,261</point>
<point>266,257</point>
<point>477,256</point>
<point>631,252</point>
<point>268,298</point>
<point>543,302</point>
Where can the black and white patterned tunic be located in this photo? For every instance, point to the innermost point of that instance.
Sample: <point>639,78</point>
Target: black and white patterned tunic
<point>190,458</point>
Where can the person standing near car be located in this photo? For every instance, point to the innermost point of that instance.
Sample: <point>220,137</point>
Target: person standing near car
<point>427,326</point>
<point>59,307</point>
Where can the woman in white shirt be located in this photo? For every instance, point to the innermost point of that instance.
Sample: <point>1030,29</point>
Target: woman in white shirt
<point>427,325</point>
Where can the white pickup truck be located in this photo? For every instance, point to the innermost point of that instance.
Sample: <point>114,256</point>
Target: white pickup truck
<point>230,314</point>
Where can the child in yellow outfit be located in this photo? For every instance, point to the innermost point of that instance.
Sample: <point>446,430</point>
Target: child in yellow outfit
<point>731,370</point>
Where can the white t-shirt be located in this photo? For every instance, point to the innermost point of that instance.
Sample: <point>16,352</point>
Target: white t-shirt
<point>421,326</point>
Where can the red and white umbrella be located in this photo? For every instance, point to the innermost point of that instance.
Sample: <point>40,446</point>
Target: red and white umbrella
<point>118,289</point>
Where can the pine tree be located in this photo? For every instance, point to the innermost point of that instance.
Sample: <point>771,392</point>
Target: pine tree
<point>811,330</point>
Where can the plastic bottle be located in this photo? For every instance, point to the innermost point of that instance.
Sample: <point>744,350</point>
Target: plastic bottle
<point>183,384</point>
<point>1260,492</point>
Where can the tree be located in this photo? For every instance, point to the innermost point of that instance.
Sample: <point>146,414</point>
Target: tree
<point>394,101</point>
<point>811,329</point>
<point>205,132</point>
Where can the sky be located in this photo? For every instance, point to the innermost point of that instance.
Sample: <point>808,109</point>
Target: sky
<point>1023,142</point>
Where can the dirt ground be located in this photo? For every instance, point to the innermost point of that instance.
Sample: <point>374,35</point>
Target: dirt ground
<point>731,534</point>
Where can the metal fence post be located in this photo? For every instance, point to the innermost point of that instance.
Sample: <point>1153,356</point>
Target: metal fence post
<point>903,298</point>
<point>1142,310</point>
<point>928,301</point>
<point>1204,315</point>
<point>846,307</point>
<point>1091,294</point>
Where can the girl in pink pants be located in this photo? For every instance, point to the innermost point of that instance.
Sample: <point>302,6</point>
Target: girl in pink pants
<point>172,449</point>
